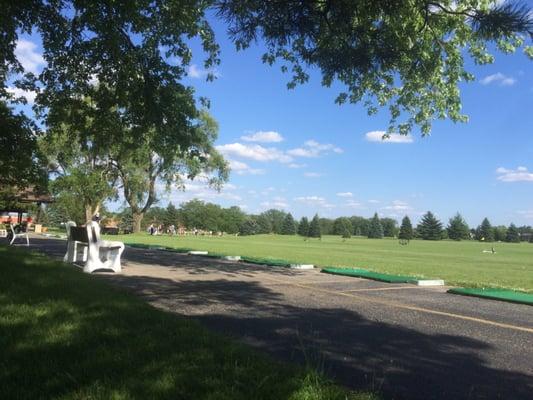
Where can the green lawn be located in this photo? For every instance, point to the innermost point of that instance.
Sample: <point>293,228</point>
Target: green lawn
<point>458,263</point>
<point>67,335</point>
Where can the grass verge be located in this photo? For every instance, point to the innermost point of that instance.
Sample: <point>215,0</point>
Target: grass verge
<point>67,335</point>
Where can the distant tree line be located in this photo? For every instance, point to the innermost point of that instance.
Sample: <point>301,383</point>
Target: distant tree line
<point>196,214</point>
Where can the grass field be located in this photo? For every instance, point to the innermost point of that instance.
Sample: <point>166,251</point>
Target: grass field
<point>67,335</point>
<point>458,263</point>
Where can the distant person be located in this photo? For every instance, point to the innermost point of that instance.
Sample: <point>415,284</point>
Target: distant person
<point>96,218</point>
<point>151,229</point>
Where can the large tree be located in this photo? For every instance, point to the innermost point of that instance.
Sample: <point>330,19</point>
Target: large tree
<point>513,235</point>
<point>406,229</point>
<point>21,163</point>
<point>429,228</point>
<point>375,229</point>
<point>485,232</point>
<point>458,228</point>
<point>164,159</point>
<point>289,226</point>
<point>314,228</point>
<point>303,227</point>
<point>407,55</point>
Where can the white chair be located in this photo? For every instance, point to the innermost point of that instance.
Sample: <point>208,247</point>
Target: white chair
<point>22,233</point>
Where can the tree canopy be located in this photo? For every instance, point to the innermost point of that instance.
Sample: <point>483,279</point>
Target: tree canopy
<point>407,55</point>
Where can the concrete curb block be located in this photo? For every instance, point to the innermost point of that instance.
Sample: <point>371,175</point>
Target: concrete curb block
<point>232,258</point>
<point>302,266</point>
<point>198,253</point>
<point>429,282</point>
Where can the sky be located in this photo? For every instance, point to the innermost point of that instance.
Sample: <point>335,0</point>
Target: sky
<point>298,151</point>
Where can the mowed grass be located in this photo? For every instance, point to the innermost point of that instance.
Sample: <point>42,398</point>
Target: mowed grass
<point>458,263</point>
<point>67,335</point>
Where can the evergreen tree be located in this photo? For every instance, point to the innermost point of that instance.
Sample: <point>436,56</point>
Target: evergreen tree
<point>406,230</point>
<point>248,227</point>
<point>430,228</point>
<point>458,228</point>
<point>314,227</point>
<point>303,227</point>
<point>500,233</point>
<point>341,225</point>
<point>263,224</point>
<point>513,235</point>
<point>375,230</point>
<point>484,232</point>
<point>390,227</point>
<point>171,216</point>
<point>288,227</point>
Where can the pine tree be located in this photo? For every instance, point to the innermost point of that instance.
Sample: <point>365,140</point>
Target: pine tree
<point>458,228</point>
<point>484,232</point>
<point>288,227</point>
<point>171,215</point>
<point>314,227</point>
<point>513,235</point>
<point>375,230</point>
<point>346,234</point>
<point>303,227</point>
<point>406,230</point>
<point>430,228</point>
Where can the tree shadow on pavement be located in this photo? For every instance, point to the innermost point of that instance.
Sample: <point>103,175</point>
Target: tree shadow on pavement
<point>363,354</point>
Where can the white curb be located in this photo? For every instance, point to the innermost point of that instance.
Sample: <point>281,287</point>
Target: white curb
<point>198,253</point>
<point>232,258</point>
<point>429,282</point>
<point>302,266</point>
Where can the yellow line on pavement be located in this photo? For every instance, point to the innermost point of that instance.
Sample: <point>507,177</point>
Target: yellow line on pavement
<point>395,304</point>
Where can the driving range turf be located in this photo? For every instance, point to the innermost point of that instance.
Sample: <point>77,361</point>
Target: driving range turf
<point>458,263</point>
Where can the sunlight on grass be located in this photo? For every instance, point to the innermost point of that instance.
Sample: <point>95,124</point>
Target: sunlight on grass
<point>458,263</point>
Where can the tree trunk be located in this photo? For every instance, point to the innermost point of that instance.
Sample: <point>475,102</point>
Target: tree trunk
<point>137,219</point>
<point>90,211</point>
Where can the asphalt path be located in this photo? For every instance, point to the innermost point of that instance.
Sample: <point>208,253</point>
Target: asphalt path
<point>401,340</point>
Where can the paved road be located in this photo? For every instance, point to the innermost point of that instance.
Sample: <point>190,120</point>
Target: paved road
<point>404,341</point>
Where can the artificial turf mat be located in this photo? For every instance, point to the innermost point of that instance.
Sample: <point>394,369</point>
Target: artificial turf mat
<point>363,273</point>
<point>496,294</point>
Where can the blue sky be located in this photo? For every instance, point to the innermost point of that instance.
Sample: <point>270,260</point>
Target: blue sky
<point>296,150</point>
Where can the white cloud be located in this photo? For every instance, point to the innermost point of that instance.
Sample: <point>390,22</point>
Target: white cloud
<point>345,194</point>
<point>274,204</point>
<point>313,174</point>
<point>353,204</point>
<point>374,201</point>
<point>520,174</point>
<point>241,168</point>
<point>198,73</point>
<point>528,214</point>
<point>296,165</point>
<point>377,136</point>
<point>398,205</point>
<point>263,137</point>
<point>254,152</point>
<point>27,54</point>
<point>314,201</point>
<point>28,95</point>
<point>312,148</point>
<point>498,78</point>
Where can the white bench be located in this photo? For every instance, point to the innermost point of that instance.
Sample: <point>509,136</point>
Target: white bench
<point>97,253</point>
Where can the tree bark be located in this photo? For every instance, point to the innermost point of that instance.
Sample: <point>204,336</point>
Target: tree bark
<point>137,219</point>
